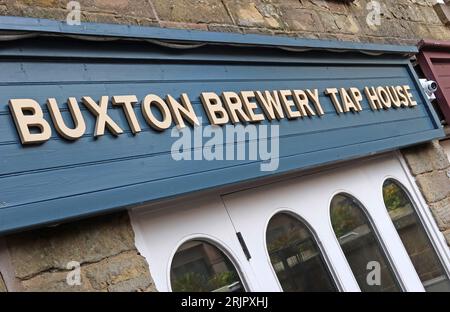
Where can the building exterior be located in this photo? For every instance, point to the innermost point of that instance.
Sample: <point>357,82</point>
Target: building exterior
<point>116,173</point>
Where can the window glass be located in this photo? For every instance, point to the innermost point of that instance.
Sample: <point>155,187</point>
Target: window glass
<point>295,256</point>
<point>200,266</point>
<point>361,246</point>
<point>414,237</point>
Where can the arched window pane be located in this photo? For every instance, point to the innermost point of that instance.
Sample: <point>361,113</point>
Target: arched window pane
<point>200,266</point>
<point>360,246</point>
<point>414,237</point>
<point>295,256</point>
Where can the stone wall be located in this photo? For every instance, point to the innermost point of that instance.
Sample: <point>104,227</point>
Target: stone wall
<point>431,169</point>
<point>402,21</point>
<point>103,246</point>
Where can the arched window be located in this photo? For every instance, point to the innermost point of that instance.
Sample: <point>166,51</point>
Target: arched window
<point>295,256</point>
<point>360,245</point>
<point>416,241</point>
<point>200,266</point>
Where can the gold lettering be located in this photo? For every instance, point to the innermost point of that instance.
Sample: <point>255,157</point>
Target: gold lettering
<point>127,102</point>
<point>374,99</point>
<point>250,106</point>
<point>25,122</point>
<point>332,93</point>
<point>403,97</point>
<point>270,104</point>
<point>233,104</point>
<point>384,97</point>
<point>217,115</point>
<point>288,104</point>
<point>183,110</point>
<point>394,96</point>
<point>100,111</point>
<point>302,102</point>
<point>314,97</point>
<point>152,99</point>
<point>356,97</point>
<point>347,101</point>
<point>409,95</point>
<point>78,121</point>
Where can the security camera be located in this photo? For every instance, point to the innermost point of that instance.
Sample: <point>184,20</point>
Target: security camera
<point>430,87</point>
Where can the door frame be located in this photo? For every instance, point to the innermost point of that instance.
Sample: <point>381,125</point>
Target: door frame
<point>160,260</point>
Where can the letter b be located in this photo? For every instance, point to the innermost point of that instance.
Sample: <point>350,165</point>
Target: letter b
<point>34,119</point>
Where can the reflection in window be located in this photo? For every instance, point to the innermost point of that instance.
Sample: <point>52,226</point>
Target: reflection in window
<point>200,266</point>
<point>414,237</point>
<point>295,256</point>
<point>360,246</point>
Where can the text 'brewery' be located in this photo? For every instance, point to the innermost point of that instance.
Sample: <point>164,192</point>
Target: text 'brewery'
<point>228,107</point>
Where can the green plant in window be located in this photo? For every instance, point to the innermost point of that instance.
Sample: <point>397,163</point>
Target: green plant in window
<point>282,241</point>
<point>393,197</point>
<point>222,279</point>
<point>191,281</point>
<point>343,217</point>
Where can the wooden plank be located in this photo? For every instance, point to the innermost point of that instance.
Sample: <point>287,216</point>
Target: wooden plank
<point>61,153</point>
<point>61,182</point>
<point>65,208</point>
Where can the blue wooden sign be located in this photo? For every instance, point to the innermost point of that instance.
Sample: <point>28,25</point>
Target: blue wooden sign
<point>288,103</point>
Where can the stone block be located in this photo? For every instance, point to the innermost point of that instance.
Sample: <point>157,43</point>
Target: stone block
<point>84,241</point>
<point>435,185</point>
<point>305,35</point>
<point>339,37</point>
<point>420,30</point>
<point>254,14</point>
<point>137,8</point>
<point>441,213</point>
<point>443,12</point>
<point>405,11</point>
<point>430,15</point>
<point>101,18</point>
<point>338,23</point>
<point>40,3</point>
<point>439,32</point>
<point>133,20</point>
<point>301,20</point>
<point>138,284</point>
<point>55,282</point>
<point>224,28</point>
<point>178,25</point>
<point>114,4</point>
<point>425,158</point>
<point>261,31</point>
<point>447,237</point>
<point>14,9</point>
<point>324,5</point>
<point>192,11</point>
<point>125,272</point>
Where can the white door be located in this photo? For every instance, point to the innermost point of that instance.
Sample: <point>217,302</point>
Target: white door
<point>161,233</point>
<point>290,235</point>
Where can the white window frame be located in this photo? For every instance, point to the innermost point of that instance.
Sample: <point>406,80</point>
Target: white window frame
<point>426,217</point>
<point>329,246</point>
